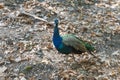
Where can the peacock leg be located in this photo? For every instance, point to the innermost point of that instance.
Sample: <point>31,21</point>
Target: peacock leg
<point>74,58</point>
<point>92,54</point>
<point>77,61</point>
<point>98,59</point>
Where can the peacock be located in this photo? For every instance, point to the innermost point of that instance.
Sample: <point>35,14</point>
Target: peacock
<point>69,43</point>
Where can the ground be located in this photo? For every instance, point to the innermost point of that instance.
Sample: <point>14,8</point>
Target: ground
<point>27,51</point>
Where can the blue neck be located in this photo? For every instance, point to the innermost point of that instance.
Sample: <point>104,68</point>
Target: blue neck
<point>57,40</point>
<point>56,31</point>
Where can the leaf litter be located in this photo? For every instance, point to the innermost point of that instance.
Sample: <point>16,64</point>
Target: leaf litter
<point>26,49</point>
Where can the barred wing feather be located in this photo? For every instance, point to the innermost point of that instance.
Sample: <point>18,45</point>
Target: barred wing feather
<point>73,41</point>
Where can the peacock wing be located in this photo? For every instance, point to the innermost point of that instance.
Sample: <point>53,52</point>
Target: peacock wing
<point>73,41</point>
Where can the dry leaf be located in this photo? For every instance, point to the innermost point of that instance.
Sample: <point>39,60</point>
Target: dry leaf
<point>45,60</point>
<point>18,59</point>
<point>32,78</point>
<point>116,53</point>
<point>1,5</point>
<point>81,77</point>
<point>67,73</point>
<point>112,73</point>
<point>2,70</point>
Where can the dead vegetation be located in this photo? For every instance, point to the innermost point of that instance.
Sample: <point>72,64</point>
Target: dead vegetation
<point>26,49</point>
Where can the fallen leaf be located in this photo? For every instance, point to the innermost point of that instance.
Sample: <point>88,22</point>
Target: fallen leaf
<point>45,60</point>
<point>81,77</point>
<point>2,69</point>
<point>116,52</point>
<point>67,73</point>
<point>18,59</point>
<point>1,5</point>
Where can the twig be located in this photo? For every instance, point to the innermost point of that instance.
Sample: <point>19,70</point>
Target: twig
<point>22,11</point>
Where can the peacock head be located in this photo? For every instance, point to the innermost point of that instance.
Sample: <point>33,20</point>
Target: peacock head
<point>56,21</point>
